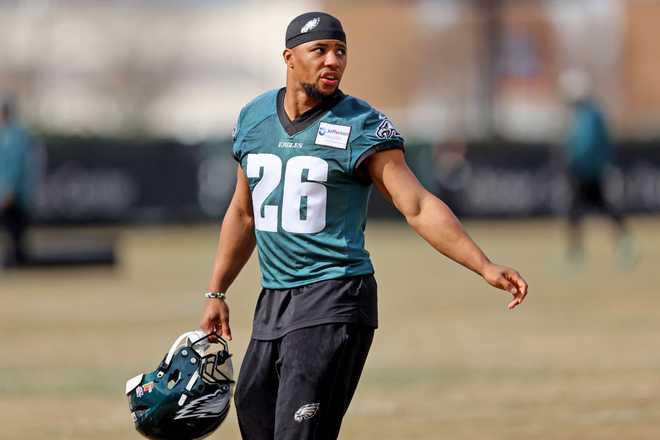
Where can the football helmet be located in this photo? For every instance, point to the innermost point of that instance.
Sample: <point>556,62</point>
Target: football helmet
<point>187,397</point>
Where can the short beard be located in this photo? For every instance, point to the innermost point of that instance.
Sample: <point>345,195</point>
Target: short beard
<point>313,92</point>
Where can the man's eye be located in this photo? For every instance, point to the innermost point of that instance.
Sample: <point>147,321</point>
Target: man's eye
<point>341,52</point>
<point>319,50</point>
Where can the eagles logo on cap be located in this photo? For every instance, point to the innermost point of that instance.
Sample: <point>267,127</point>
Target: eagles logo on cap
<point>310,25</point>
<point>313,26</point>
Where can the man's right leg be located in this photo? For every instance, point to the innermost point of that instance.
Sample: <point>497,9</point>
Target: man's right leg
<point>16,222</point>
<point>256,391</point>
<point>575,213</point>
<point>319,372</point>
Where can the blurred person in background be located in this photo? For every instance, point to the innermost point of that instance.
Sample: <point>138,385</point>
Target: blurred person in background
<point>15,181</point>
<point>589,153</point>
<point>308,156</point>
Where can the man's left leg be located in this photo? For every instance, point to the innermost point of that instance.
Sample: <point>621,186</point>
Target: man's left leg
<point>319,371</point>
<point>626,254</point>
<point>16,221</point>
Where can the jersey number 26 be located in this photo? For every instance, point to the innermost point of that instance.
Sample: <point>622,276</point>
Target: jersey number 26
<point>296,195</point>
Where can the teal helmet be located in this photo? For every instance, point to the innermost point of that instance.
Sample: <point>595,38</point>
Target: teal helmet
<point>187,397</point>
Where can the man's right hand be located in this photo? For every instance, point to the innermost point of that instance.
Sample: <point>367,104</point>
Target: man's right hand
<point>215,318</point>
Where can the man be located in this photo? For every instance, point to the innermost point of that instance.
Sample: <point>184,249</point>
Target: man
<point>589,153</point>
<point>15,181</point>
<point>308,155</point>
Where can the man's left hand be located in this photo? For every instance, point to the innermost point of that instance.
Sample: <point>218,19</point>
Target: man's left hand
<point>506,278</point>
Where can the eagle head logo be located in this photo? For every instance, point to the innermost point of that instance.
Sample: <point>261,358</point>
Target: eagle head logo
<point>306,412</point>
<point>310,25</point>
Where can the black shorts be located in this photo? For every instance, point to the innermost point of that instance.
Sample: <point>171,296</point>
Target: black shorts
<point>590,193</point>
<point>300,385</point>
<point>340,300</point>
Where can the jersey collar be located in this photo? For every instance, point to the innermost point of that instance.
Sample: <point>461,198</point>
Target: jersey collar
<point>309,117</point>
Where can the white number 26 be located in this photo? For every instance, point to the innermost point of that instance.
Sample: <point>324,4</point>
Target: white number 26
<point>296,192</point>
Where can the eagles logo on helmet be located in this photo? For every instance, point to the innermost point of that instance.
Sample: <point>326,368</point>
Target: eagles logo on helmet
<point>187,397</point>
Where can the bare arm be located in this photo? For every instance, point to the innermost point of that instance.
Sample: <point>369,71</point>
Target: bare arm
<point>237,239</point>
<point>235,246</point>
<point>434,221</point>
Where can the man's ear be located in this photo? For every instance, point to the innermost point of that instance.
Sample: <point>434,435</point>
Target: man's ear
<point>288,58</point>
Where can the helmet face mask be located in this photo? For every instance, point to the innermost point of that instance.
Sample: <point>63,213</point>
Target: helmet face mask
<point>188,396</point>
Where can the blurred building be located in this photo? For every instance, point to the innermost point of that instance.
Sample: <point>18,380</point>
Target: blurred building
<point>160,68</point>
<point>442,69</point>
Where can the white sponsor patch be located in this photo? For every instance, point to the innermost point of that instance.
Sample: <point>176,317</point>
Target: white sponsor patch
<point>331,135</point>
<point>306,412</point>
<point>386,128</point>
<point>310,25</point>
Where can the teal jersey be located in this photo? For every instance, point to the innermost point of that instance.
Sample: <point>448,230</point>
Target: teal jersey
<point>15,168</point>
<point>309,204</point>
<point>589,146</point>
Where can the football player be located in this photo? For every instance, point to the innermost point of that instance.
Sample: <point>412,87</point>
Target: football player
<point>308,156</point>
<point>16,181</point>
<point>589,154</point>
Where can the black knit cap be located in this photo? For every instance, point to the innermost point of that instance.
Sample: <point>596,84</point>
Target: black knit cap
<point>313,26</point>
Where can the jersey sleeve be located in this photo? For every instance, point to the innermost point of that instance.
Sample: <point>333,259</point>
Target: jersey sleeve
<point>378,134</point>
<point>237,138</point>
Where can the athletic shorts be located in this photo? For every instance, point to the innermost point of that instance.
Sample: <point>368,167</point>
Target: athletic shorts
<point>300,385</point>
<point>587,194</point>
<point>340,300</point>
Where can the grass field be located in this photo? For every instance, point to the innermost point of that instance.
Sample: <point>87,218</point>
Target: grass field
<point>579,360</point>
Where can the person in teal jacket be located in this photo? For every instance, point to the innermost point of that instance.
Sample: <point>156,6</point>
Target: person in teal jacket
<point>16,181</point>
<point>589,153</point>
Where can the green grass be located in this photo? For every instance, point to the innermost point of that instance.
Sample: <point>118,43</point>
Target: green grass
<point>578,360</point>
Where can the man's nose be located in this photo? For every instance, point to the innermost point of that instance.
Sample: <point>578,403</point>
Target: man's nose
<point>331,58</point>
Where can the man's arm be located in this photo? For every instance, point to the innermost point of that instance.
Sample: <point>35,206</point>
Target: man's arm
<point>436,223</point>
<point>235,246</point>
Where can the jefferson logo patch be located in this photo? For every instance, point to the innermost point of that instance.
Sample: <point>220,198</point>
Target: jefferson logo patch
<point>331,135</point>
<point>306,412</point>
<point>386,128</point>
